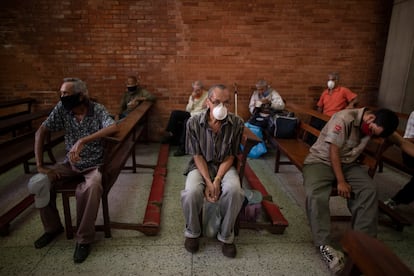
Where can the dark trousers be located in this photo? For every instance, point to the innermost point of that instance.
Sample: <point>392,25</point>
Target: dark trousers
<point>176,125</point>
<point>406,194</point>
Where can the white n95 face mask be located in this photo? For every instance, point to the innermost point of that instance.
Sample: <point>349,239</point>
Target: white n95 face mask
<point>220,112</point>
<point>331,84</point>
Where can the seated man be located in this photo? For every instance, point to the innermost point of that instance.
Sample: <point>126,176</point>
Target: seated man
<point>175,131</point>
<point>406,194</point>
<point>213,139</point>
<point>332,161</point>
<point>84,123</point>
<point>264,102</point>
<point>335,97</point>
<point>134,95</point>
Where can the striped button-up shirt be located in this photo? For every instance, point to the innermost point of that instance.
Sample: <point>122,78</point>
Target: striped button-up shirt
<point>214,147</point>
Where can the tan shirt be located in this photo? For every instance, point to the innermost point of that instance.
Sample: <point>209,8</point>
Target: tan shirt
<point>196,106</point>
<point>343,130</point>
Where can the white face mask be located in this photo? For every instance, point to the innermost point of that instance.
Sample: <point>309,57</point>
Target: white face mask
<point>331,84</point>
<point>220,112</point>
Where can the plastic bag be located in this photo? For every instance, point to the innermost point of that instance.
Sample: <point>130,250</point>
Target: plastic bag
<point>260,148</point>
<point>211,219</point>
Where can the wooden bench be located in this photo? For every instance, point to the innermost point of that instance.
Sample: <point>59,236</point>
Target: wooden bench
<point>19,151</point>
<point>370,257</point>
<point>22,121</point>
<point>16,107</point>
<point>117,149</point>
<point>296,149</point>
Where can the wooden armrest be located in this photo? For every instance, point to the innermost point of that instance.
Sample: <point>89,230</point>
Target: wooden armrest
<point>371,256</point>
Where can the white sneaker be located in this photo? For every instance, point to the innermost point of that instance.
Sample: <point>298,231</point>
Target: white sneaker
<point>333,258</point>
<point>391,203</point>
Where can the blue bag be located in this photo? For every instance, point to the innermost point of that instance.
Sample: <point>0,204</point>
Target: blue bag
<point>260,148</point>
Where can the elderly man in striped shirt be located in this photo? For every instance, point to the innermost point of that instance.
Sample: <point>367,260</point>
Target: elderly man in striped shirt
<point>213,139</point>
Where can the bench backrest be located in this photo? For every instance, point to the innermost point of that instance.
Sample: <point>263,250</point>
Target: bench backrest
<point>16,107</point>
<point>117,148</point>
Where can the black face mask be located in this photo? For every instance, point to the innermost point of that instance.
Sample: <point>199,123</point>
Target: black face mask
<point>132,88</point>
<point>71,101</point>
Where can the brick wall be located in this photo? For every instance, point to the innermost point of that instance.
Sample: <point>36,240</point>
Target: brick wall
<point>292,44</point>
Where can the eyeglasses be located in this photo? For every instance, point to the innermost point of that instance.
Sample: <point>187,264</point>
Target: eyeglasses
<point>217,102</point>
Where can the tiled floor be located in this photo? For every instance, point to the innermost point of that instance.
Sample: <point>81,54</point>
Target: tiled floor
<point>132,253</point>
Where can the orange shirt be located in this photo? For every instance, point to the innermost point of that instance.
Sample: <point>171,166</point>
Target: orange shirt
<point>336,101</point>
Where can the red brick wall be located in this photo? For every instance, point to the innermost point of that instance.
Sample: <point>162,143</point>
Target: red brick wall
<point>292,44</point>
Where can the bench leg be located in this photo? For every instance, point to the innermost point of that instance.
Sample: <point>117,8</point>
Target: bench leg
<point>277,160</point>
<point>26,166</point>
<point>134,161</point>
<point>105,212</point>
<point>68,218</point>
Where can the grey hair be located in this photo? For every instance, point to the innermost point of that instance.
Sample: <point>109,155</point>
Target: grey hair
<point>261,83</point>
<point>79,86</point>
<point>335,75</point>
<point>219,86</point>
<point>197,83</point>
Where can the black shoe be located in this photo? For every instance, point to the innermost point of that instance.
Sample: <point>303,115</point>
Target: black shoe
<point>47,238</point>
<point>192,244</point>
<point>229,249</point>
<point>179,152</point>
<point>81,252</point>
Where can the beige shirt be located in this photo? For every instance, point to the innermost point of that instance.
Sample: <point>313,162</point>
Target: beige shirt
<point>196,106</point>
<point>343,130</point>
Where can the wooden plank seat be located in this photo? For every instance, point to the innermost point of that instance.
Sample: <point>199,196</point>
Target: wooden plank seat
<point>19,151</point>
<point>296,149</point>
<point>117,149</point>
<point>370,257</point>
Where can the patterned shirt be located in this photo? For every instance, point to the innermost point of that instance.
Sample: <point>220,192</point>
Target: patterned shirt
<point>342,130</point>
<point>409,129</point>
<point>214,147</point>
<point>96,119</point>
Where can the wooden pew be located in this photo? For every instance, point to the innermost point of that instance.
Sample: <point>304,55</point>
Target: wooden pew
<point>370,257</point>
<point>117,149</point>
<point>16,107</point>
<point>18,122</point>
<point>296,150</point>
<point>19,151</point>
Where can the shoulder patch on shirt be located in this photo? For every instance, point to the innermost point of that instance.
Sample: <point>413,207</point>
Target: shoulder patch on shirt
<point>338,128</point>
